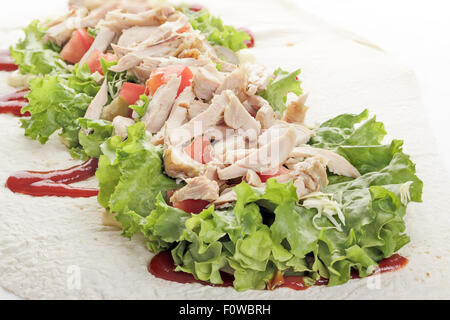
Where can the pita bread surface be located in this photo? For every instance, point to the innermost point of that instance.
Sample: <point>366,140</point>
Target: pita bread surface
<point>57,247</point>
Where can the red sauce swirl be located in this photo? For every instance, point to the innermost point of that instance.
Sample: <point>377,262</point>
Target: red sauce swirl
<point>54,183</point>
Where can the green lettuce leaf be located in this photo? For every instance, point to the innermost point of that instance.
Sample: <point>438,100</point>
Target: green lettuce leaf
<point>95,133</point>
<point>279,86</point>
<point>342,131</point>
<point>130,177</point>
<point>215,31</point>
<point>32,56</point>
<point>82,81</point>
<point>54,105</point>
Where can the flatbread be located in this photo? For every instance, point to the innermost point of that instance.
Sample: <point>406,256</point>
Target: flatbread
<point>58,248</point>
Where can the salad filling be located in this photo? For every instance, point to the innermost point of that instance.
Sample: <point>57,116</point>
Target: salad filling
<point>205,154</point>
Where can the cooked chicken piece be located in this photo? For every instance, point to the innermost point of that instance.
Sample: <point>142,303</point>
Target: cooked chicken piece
<point>197,107</point>
<point>120,126</point>
<point>265,158</point>
<point>144,70</point>
<point>205,82</point>
<point>302,133</point>
<point>198,188</point>
<point>166,30</point>
<point>94,111</point>
<point>254,103</point>
<point>178,115</point>
<point>61,32</point>
<point>218,132</point>
<point>229,143</point>
<point>258,77</point>
<point>232,156</point>
<point>141,72</point>
<point>198,125</point>
<point>310,176</point>
<point>194,45</point>
<point>101,43</point>
<point>211,173</point>
<point>266,116</point>
<point>76,19</point>
<point>179,165</point>
<point>224,66</point>
<point>237,117</point>
<point>161,104</point>
<point>228,196</point>
<point>236,82</point>
<point>296,110</point>
<point>253,179</point>
<point>335,162</point>
<point>134,35</point>
<point>118,107</point>
<point>118,20</point>
<point>131,58</point>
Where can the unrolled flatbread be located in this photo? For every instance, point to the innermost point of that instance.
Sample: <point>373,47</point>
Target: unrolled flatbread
<point>58,248</point>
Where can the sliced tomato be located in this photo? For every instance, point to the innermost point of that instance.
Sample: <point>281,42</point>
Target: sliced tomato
<point>192,206</point>
<point>94,60</point>
<point>199,150</point>
<point>78,45</point>
<point>131,92</point>
<point>264,176</point>
<point>161,76</point>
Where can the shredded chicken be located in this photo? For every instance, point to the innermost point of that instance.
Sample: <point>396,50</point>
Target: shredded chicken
<point>94,111</point>
<point>296,110</point>
<point>120,126</point>
<point>161,105</point>
<point>335,162</point>
<point>198,188</point>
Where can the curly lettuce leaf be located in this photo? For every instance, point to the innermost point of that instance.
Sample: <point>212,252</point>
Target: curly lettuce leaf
<point>131,176</point>
<point>81,80</point>
<point>215,31</point>
<point>342,131</point>
<point>93,135</point>
<point>33,56</point>
<point>279,86</point>
<point>54,105</point>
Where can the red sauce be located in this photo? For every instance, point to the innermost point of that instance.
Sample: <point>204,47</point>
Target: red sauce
<point>393,263</point>
<point>294,282</point>
<point>54,183</point>
<point>13,102</point>
<point>6,63</point>
<point>162,266</point>
<point>196,7</point>
<point>249,43</point>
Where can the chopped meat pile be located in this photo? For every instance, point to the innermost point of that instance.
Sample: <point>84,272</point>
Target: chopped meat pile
<point>206,112</point>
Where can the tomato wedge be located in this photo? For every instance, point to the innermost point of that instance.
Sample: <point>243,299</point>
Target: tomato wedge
<point>78,45</point>
<point>192,206</point>
<point>131,92</point>
<point>94,60</point>
<point>199,150</point>
<point>161,76</point>
<point>264,176</point>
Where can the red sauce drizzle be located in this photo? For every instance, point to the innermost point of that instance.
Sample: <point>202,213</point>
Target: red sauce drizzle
<point>54,183</point>
<point>162,266</point>
<point>196,7</point>
<point>12,103</point>
<point>6,62</point>
<point>393,263</point>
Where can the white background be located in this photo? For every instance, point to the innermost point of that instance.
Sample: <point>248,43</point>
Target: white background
<point>416,32</point>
